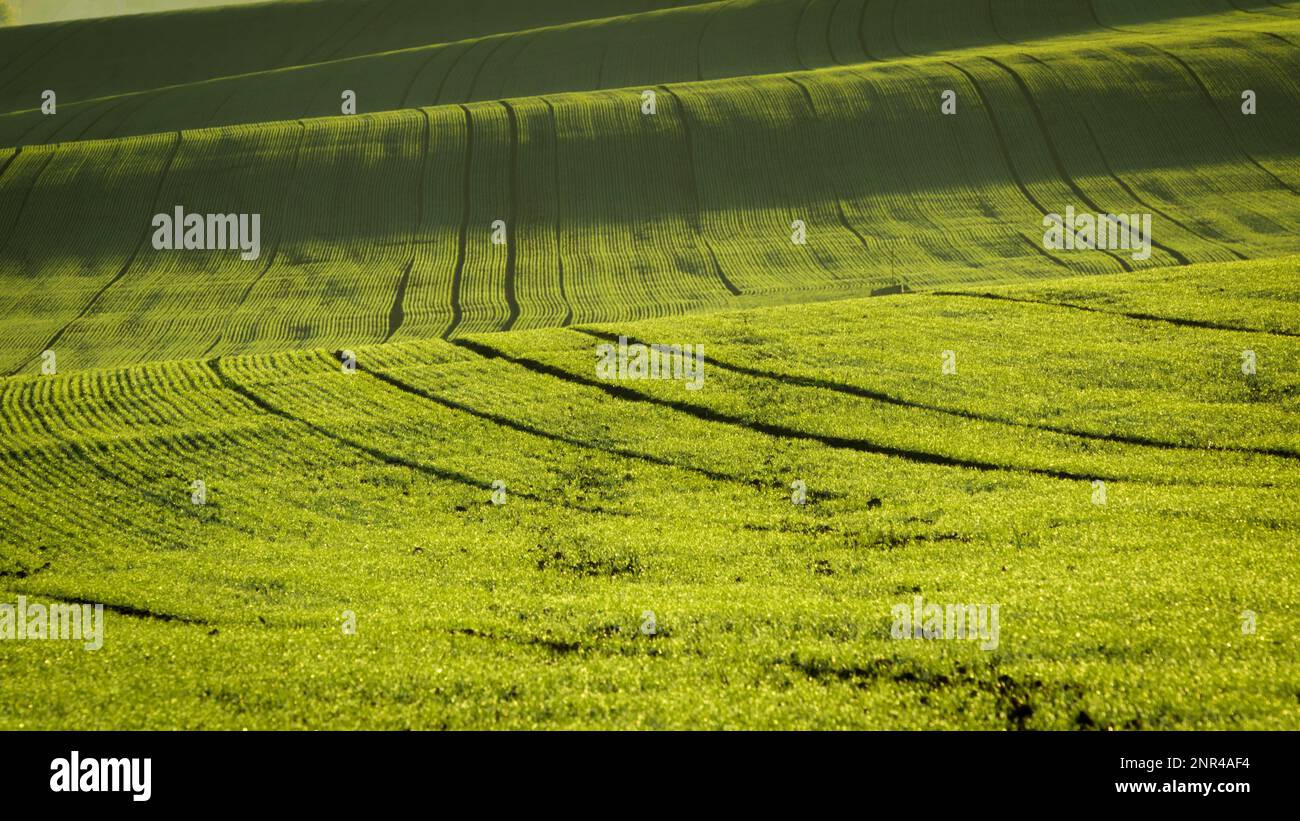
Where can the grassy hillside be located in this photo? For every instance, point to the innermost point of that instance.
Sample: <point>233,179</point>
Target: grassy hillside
<point>370,492</point>
<point>1114,461</point>
<point>98,57</point>
<point>46,11</point>
<point>379,226</point>
<point>669,45</point>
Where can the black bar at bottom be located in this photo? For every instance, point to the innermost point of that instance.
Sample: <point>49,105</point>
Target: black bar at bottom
<point>333,770</point>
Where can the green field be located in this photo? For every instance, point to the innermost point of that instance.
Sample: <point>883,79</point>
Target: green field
<point>1101,464</point>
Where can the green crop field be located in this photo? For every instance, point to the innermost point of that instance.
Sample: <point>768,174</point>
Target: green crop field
<point>362,465</point>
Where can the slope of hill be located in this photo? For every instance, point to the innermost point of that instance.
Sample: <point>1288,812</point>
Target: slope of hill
<point>669,45</point>
<point>385,226</point>
<point>369,493</point>
<point>98,57</point>
<point>351,464</point>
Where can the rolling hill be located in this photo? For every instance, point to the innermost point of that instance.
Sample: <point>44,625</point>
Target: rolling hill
<point>380,226</point>
<point>381,409</point>
<point>369,493</point>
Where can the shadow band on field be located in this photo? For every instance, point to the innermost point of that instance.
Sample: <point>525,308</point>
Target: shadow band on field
<point>382,455</point>
<point>884,398</point>
<point>767,428</point>
<point>1181,322</point>
<point>119,609</point>
<point>521,427</point>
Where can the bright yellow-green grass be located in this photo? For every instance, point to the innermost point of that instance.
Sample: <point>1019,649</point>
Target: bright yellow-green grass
<point>370,492</point>
<point>1105,447</point>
